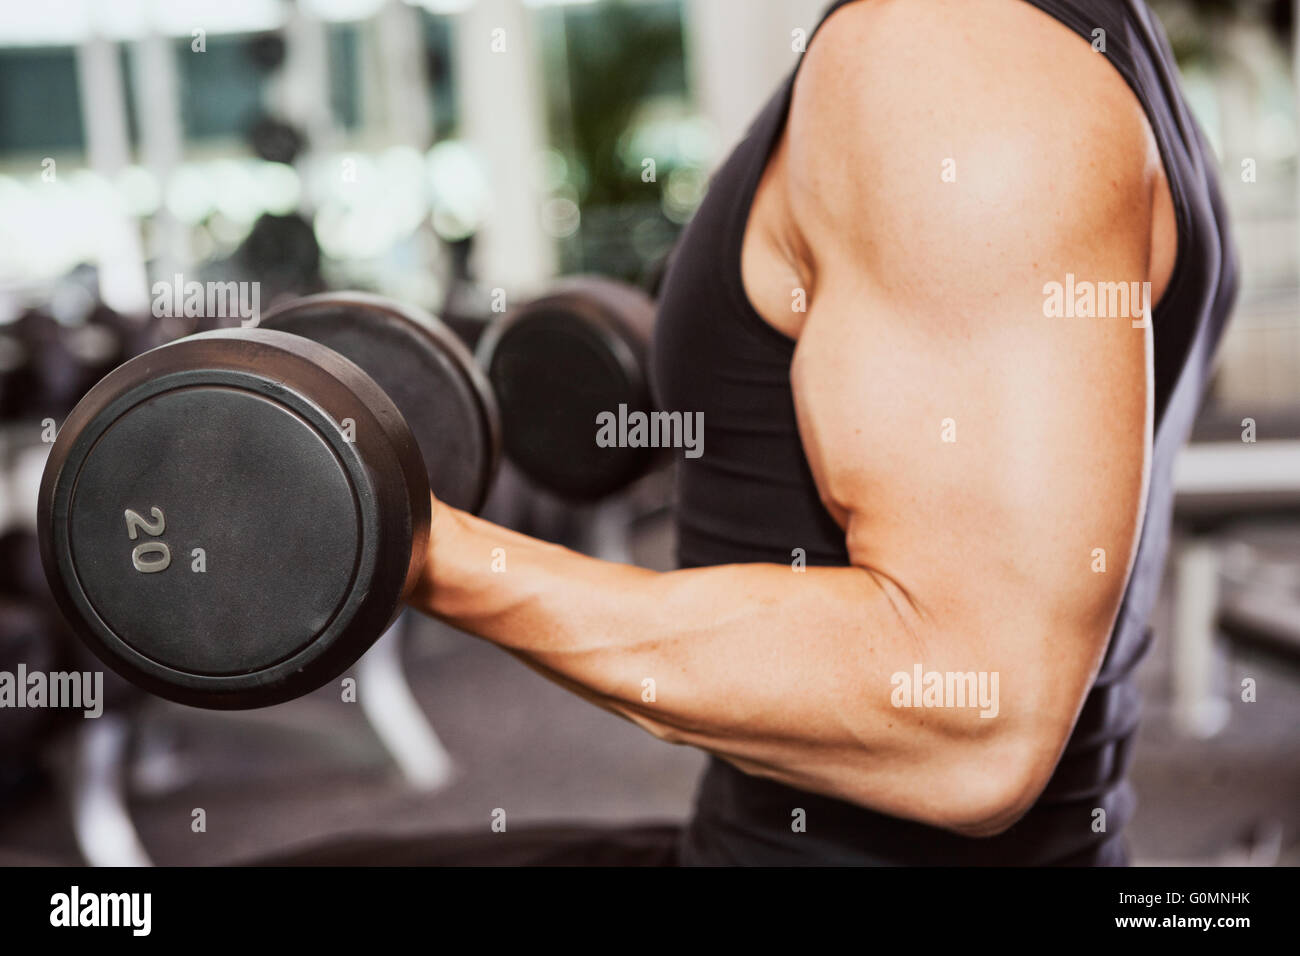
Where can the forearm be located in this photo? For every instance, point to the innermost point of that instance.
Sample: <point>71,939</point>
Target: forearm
<point>786,674</point>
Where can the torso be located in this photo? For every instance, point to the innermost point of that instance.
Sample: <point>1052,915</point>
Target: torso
<point>725,341</point>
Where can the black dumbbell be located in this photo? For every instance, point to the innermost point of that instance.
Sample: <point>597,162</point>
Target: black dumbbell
<point>555,364</point>
<point>274,140</point>
<point>266,51</point>
<point>15,376</point>
<point>427,372</point>
<point>20,565</point>
<point>52,376</point>
<point>65,360</point>
<point>232,519</point>
<point>282,253</point>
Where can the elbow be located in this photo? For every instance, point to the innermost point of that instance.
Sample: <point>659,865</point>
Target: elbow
<point>994,784</point>
<point>989,817</point>
<point>974,788</point>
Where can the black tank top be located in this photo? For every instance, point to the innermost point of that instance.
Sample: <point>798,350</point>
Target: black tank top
<point>751,494</point>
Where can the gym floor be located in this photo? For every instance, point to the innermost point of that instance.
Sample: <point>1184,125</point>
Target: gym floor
<point>303,774</point>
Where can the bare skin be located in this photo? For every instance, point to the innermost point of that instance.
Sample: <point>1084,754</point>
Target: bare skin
<point>925,303</point>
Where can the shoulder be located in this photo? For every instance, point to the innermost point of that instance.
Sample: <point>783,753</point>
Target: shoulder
<point>924,119</point>
<point>936,60</point>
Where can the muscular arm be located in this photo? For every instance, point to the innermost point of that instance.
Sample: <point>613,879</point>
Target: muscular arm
<point>926,304</point>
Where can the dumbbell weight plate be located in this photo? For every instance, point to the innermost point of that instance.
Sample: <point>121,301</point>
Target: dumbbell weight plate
<point>233,442</point>
<point>558,362</point>
<point>427,372</point>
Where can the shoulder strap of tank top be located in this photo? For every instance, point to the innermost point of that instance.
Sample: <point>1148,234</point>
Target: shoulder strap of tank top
<point>1154,37</point>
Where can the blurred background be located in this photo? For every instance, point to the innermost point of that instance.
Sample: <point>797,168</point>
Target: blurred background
<point>436,151</point>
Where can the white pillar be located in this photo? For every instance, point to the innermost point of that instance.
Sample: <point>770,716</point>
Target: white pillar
<point>103,106</point>
<point>738,53</point>
<point>500,93</point>
<point>123,283</point>
<point>1197,710</point>
<point>162,139</point>
<point>408,107</point>
<point>302,93</point>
